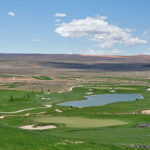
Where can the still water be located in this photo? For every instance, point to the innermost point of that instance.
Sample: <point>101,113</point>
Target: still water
<point>102,99</point>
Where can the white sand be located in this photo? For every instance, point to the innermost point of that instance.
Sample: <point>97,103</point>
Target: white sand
<point>2,117</point>
<point>31,127</point>
<point>27,114</point>
<point>57,110</point>
<point>89,93</point>
<point>80,107</point>
<point>78,142</point>
<point>145,112</point>
<point>69,90</point>
<point>48,106</point>
<point>22,110</point>
<point>148,89</point>
<point>14,112</point>
<point>112,91</point>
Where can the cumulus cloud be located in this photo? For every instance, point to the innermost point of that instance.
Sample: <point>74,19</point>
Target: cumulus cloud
<point>146,34</point>
<point>12,14</point>
<point>61,15</point>
<point>36,40</point>
<point>100,30</point>
<point>57,20</point>
<point>103,52</point>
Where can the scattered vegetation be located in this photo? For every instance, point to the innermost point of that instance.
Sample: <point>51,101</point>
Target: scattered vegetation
<point>109,127</point>
<point>41,77</point>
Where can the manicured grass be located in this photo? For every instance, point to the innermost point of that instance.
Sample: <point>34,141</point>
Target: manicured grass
<point>78,122</point>
<point>107,127</point>
<point>41,77</point>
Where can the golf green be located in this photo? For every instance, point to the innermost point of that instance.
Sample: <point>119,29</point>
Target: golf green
<point>78,122</point>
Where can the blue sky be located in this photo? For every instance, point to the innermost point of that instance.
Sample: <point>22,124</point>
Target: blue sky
<point>102,27</point>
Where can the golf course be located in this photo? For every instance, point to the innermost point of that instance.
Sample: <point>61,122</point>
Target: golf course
<point>34,120</point>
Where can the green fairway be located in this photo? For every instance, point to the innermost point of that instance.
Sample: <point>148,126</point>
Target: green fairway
<point>41,77</point>
<point>91,126</point>
<point>77,122</point>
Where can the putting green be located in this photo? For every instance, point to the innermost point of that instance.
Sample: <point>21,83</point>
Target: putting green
<point>78,122</point>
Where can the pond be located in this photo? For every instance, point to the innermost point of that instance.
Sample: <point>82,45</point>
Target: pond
<point>102,99</point>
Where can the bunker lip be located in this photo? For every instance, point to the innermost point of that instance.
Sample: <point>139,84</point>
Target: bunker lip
<point>31,127</point>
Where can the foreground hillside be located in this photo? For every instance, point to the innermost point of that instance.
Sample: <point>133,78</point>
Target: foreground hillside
<point>32,86</point>
<point>113,126</point>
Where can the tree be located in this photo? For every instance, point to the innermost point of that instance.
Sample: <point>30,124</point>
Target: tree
<point>11,98</point>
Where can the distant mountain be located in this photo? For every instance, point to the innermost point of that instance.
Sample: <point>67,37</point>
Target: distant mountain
<point>48,63</point>
<point>77,58</point>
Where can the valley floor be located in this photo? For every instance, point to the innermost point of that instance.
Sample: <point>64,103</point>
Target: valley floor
<point>32,120</point>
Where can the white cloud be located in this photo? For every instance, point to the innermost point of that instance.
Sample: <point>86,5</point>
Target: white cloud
<point>146,34</point>
<point>146,53</point>
<point>36,40</point>
<point>98,29</point>
<point>116,51</point>
<point>103,52</point>
<point>11,14</point>
<point>57,20</point>
<point>61,15</point>
<point>70,53</point>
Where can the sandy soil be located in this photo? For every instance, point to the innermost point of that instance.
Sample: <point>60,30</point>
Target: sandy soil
<point>2,117</point>
<point>69,90</point>
<point>31,127</point>
<point>48,106</point>
<point>89,93</point>
<point>148,89</point>
<point>58,110</point>
<point>14,112</point>
<point>145,112</point>
<point>22,110</point>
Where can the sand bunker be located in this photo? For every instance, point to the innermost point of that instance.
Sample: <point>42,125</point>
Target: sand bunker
<point>89,93</point>
<point>31,127</point>
<point>2,117</point>
<point>48,106</point>
<point>14,112</point>
<point>145,112</point>
<point>27,114</point>
<point>19,111</point>
<point>58,110</point>
<point>69,90</point>
<point>112,91</point>
<point>148,89</point>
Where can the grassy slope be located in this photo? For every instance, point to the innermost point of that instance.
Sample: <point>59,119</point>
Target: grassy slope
<point>41,77</point>
<point>94,138</point>
<point>79,122</point>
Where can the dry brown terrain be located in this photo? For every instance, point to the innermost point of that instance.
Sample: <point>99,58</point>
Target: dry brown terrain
<point>68,70</point>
